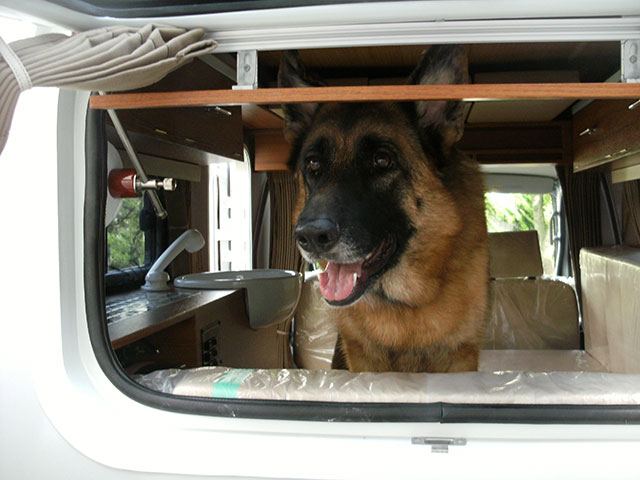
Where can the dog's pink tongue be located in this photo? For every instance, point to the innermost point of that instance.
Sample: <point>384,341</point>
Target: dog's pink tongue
<point>336,282</point>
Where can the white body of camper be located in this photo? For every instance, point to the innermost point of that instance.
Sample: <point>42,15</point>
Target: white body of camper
<point>61,417</point>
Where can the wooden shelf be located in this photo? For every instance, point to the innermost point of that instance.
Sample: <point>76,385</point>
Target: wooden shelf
<point>270,96</point>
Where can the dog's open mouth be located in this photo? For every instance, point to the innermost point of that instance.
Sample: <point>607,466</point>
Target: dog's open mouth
<point>343,283</point>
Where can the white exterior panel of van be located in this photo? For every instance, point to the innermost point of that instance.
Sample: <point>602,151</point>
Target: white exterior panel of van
<point>60,417</point>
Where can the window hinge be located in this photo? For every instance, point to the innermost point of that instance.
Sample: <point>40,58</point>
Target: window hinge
<point>439,444</point>
<point>247,70</point>
<point>630,61</point>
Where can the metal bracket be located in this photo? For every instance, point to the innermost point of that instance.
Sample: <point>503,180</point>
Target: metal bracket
<point>439,444</point>
<point>630,61</point>
<point>247,70</point>
<point>166,184</point>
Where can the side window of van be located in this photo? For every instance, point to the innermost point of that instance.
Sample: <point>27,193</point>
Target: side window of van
<point>135,238</point>
<point>508,212</point>
<point>125,238</point>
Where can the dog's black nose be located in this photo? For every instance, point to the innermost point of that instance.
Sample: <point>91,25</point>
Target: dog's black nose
<point>318,235</point>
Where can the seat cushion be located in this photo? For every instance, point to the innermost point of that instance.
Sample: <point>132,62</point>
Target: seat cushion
<point>514,254</point>
<point>538,313</point>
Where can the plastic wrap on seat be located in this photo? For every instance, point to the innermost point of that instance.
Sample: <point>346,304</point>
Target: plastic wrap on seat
<point>538,361</point>
<point>610,279</point>
<point>499,387</point>
<point>315,333</point>
<point>539,313</point>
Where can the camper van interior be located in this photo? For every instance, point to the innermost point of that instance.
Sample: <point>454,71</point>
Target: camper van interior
<point>559,177</point>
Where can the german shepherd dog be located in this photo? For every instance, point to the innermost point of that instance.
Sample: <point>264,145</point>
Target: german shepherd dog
<point>395,215</point>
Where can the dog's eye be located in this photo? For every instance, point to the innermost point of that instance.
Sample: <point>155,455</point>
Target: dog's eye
<point>313,164</point>
<point>382,160</point>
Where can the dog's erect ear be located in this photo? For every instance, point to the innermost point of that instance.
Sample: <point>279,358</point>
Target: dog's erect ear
<point>292,73</point>
<point>442,64</point>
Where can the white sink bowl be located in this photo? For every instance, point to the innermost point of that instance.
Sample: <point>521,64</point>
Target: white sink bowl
<point>271,295</point>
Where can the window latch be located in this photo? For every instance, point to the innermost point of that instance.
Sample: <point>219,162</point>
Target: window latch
<point>439,444</point>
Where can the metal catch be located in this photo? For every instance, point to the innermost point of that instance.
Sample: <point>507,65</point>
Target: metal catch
<point>439,444</point>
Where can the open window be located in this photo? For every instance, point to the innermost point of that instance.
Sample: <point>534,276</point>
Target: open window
<point>530,150</point>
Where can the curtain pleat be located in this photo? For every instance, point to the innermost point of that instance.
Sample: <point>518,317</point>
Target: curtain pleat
<point>283,189</point>
<point>284,252</point>
<point>109,59</point>
<point>581,198</point>
<point>632,212</point>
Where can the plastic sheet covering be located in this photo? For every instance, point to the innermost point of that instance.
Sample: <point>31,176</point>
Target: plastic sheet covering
<point>315,333</point>
<point>499,387</point>
<point>610,279</point>
<point>537,313</point>
<point>539,361</point>
<point>523,314</point>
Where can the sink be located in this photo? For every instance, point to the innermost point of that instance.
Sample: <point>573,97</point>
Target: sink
<point>272,295</point>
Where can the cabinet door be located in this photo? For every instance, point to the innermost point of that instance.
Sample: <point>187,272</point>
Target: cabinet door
<point>604,131</point>
<point>210,129</point>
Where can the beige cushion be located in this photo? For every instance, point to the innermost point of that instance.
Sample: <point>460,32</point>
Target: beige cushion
<point>532,314</point>
<point>514,254</point>
<point>610,278</point>
<point>523,313</point>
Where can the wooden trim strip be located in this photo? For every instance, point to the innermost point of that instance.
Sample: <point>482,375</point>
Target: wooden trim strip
<point>375,93</point>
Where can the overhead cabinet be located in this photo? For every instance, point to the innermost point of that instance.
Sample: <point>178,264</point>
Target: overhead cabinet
<point>605,131</point>
<point>205,128</point>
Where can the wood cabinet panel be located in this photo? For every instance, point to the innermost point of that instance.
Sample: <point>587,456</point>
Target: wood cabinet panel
<point>605,131</point>
<point>203,128</point>
<point>271,150</point>
<point>207,128</point>
<point>536,142</point>
<point>543,142</point>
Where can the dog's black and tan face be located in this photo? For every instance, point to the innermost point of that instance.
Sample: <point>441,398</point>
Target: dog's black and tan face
<point>373,174</point>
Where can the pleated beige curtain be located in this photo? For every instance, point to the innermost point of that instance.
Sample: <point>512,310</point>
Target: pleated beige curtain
<point>284,253</point>
<point>110,59</point>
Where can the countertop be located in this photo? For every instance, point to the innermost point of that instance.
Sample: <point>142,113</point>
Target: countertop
<point>134,315</point>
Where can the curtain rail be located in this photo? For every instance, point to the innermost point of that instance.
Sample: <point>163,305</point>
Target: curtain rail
<point>267,96</point>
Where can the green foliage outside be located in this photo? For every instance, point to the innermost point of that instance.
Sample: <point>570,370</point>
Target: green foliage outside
<point>125,240</point>
<point>508,212</point>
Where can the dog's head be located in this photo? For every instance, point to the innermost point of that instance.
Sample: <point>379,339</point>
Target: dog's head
<point>373,175</point>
